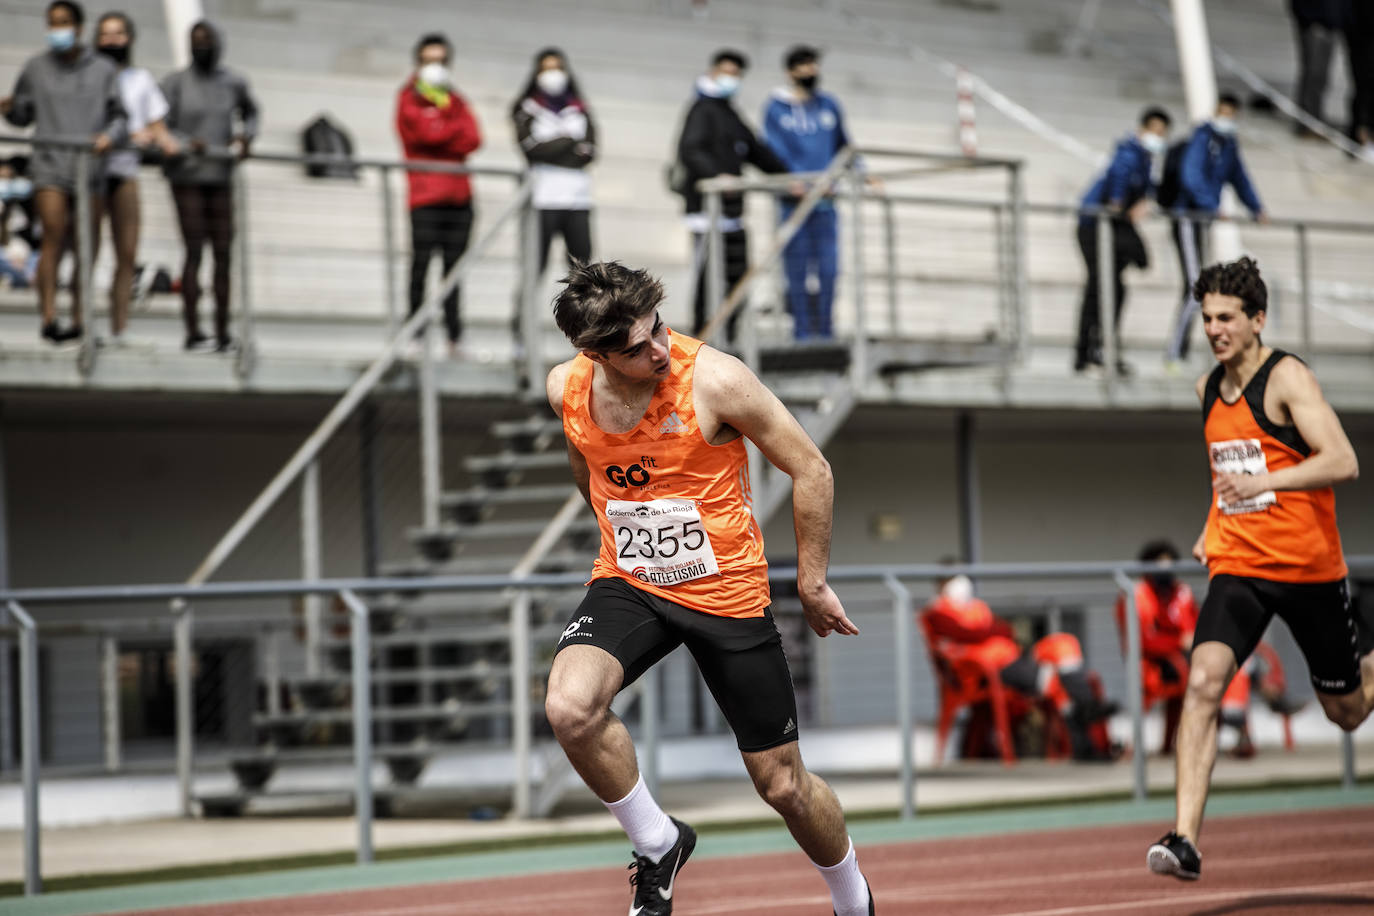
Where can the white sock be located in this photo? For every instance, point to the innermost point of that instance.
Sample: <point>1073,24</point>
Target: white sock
<point>848,889</point>
<point>650,830</point>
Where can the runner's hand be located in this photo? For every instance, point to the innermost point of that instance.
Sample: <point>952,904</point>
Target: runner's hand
<point>101,145</point>
<point>1232,488</point>
<point>825,614</point>
<point>1200,547</point>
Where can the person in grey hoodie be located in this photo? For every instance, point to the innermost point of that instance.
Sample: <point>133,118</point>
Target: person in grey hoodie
<point>68,93</point>
<point>209,110</point>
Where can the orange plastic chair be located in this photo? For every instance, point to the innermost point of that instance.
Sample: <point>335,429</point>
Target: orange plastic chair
<point>1154,688</point>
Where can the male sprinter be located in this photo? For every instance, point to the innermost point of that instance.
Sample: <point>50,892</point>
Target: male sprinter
<point>656,424</point>
<point>1270,542</point>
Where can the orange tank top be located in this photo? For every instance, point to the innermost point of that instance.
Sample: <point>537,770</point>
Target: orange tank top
<point>675,511</point>
<point>1287,536</point>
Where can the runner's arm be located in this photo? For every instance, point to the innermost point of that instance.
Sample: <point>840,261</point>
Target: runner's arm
<point>553,386</point>
<point>1200,545</point>
<point>736,397</point>
<point>1332,459</point>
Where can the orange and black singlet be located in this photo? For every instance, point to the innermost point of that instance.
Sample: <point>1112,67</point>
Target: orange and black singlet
<point>1287,536</point>
<point>675,511</point>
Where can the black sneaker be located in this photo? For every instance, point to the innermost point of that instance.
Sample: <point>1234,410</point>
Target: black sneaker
<point>55,333</point>
<point>226,344</point>
<point>870,901</point>
<point>653,881</point>
<point>198,342</point>
<point>1175,855</point>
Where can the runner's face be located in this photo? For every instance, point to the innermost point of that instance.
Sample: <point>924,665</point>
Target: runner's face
<point>1229,330</point>
<point>645,354</point>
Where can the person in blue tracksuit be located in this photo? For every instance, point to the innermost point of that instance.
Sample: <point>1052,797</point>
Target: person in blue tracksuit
<point>1124,190</point>
<point>1210,161</point>
<point>805,128</point>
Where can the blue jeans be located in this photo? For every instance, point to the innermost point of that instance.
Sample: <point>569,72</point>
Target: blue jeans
<point>815,248</point>
<point>19,278</point>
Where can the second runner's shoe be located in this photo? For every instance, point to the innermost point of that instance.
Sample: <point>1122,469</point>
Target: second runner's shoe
<point>653,881</point>
<point>1175,855</point>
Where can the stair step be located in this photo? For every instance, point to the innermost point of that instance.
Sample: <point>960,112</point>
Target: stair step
<point>512,461</point>
<point>500,565</point>
<point>438,712</point>
<point>492,531</point>
<point>531,427</point>
<point>465,635</point>
<point>542,493</point>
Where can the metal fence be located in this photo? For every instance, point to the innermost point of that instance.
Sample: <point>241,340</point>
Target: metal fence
<point>240,611</point>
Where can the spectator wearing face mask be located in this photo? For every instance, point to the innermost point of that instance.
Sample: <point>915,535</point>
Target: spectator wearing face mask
<point>1209,162</point>
<point>716,141</point>
<point>209,108</point>
<point>436,124</point>
<point>146,108</point>
<point>18,225</point>
<point>68,92</point>
<point>1124,191</point>
<point>805,128</point>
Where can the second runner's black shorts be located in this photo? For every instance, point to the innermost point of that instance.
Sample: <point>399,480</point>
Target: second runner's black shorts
<point>740,658</point>
<point>1238,609</point>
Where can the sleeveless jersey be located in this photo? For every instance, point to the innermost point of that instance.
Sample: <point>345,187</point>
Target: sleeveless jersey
<point>675,512</point>
<point>1288,536</point>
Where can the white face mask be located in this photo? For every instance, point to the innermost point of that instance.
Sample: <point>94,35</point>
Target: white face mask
<point>727,84</point>
<point>435,74</point>
<point>958,590</point>
<point>1224,126</point>
<point>15,189</point>
<point>552,82</point>
<point>1153,142</point>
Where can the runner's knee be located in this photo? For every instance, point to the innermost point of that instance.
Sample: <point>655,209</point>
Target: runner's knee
<point>1347,711</point>
<point>785,790</point>
<point>1206,685</point>
<point>571,715</point>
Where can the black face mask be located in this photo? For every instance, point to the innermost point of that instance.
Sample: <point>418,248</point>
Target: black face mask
<point>117,53</point>
<point>809,83</point>
<point>205,58</point>
<point>1162,582</point>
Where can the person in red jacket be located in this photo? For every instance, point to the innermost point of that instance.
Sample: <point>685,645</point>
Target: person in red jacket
<point>965,627</point>
<point>436,124</point>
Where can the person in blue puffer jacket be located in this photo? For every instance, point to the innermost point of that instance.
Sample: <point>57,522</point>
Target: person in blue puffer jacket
<point>1209,162</point>
<point>1121,194</point>
<point>805,128</point>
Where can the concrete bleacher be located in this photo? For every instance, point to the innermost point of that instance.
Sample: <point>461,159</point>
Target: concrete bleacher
<point>315,246</point>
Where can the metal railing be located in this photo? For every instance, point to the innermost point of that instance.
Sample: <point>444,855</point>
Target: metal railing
<point>23,614</point>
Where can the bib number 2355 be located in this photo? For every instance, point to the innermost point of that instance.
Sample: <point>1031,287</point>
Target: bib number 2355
<point>662,541</point>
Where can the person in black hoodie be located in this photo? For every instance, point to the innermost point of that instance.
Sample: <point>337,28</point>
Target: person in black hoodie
<point>716,141</point>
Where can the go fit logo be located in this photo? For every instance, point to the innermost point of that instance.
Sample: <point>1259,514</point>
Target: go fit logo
<point>633,476</point>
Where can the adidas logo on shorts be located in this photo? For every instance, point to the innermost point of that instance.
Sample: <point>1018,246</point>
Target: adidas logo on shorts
<point>790,727</point>
<point>672,424</point>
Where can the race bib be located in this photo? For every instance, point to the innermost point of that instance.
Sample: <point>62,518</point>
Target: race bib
<point>1241,456</point>
<point>662,541</point>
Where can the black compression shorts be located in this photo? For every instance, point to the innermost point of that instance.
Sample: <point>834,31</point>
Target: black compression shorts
<point>741,659</point>
<point>1238,610</point>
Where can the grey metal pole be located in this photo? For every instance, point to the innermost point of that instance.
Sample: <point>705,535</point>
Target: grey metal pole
<point>901,618</point>
<point>393,306</point>
<point>1021,332</point>
<point>429,432</point>
<point>86,356</point>
<point>28,730</point>
<point>1106,299</point>
<point>311,563</point>
<point>858,367</point>
<point>362,720</point>
<point>246,358</point>
<point>1134,701</point>
<point>1347,760</point>
<point>531,327</point>
<point>890,251</point>
<point>109,697</point>
<point>1305,290</point>
<point>369,428</point>
<point>522,736</point>
<point>715,258</point>
<point>970,504</point>
<point>7,754</point>
<point>649,728</point>
<point>271,663</point>
<point>185,713</point>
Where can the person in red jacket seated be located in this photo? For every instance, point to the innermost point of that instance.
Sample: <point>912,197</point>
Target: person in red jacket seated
<point>436,124</point>
<point>1168,614</point>
<point>966,628</point>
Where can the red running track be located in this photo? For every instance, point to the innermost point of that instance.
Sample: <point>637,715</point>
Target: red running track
<point>1270,865</point>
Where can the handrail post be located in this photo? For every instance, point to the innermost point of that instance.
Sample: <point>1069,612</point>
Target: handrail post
<point>858,367</point>
<point>649,728</point>
<point>1106,298</point>
<point>109,700</point>
<point>715,260</point>
<point>245,361</point>
<point>1347,760</point>
<point>430,460</point>
<point>86,355</point>
<point>1305,290</point>
<point>901,620</point>
<point>522,737</point>
<point>1020,281</point>
<point>890,257</point>
<point>1134,701</point>
<point>393,307</point>
<point>185,717</point>
<point>531,329</point>
<point>28,730</point>
<point>311,563</point>
<point>361,639</point>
